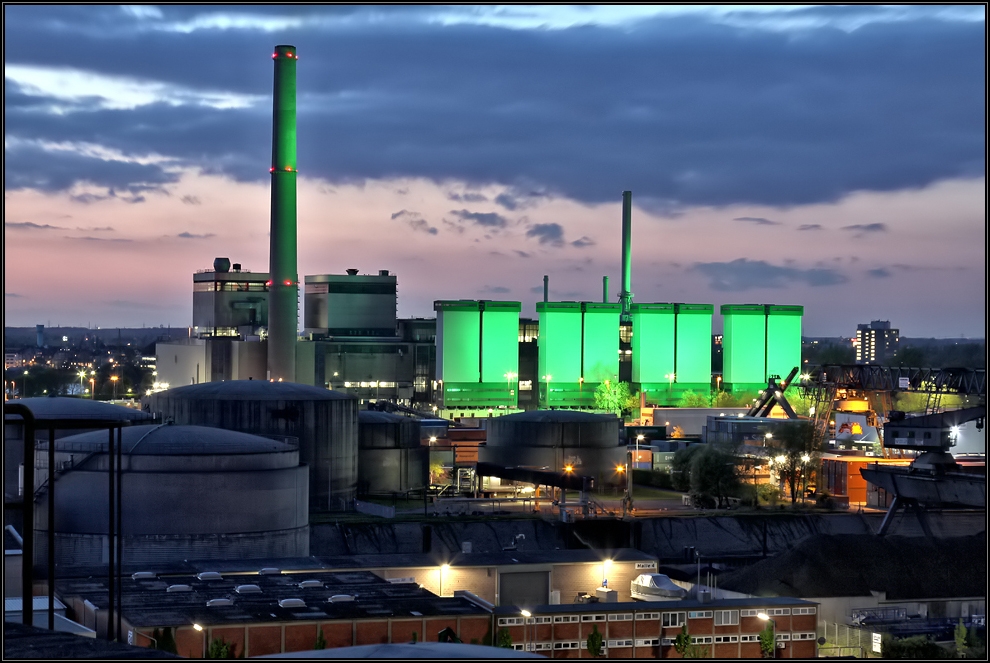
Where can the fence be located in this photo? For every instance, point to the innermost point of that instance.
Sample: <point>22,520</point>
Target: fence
<point>371,509</point>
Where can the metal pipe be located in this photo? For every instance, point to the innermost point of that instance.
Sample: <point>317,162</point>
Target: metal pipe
<point>110,535</point>
<point>283,293</point>
<point>604,290</point>
<point>546,288</point>
<point>625,296</point>
<point>51,528</point>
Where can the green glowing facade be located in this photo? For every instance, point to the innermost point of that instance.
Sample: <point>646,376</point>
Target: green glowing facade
<point>693,348</point>
<point>478,353</point>
<point>744,350</point>
<point>578,349</point>
<point>653,347</point>
<point>783,339</point>
<point>283,294</point>
<point>758,341</point>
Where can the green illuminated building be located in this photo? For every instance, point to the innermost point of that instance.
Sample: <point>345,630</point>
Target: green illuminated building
<point>478,353</point>
<point>578,349</point>
<point>758,341</point>
<point>671,350</point>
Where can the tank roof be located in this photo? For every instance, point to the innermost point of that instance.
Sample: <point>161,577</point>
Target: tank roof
<point>65,407</point>
<point>256,390</point>
<point>375,417</point>
<point>557,416</point>
<point>172,440</point>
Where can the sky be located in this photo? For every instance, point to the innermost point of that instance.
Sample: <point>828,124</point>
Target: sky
<point>831,157</point>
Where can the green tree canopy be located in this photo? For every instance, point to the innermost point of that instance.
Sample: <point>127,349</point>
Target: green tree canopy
<point>612,396</point>
<point>713,475</point>
<point>795,451</point>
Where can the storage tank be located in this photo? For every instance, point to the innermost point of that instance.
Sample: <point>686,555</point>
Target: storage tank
<point>53,407</point>
<point>556,439</point>
<point>391,458</point>
<point>324,422</point>
<point>187,492</point>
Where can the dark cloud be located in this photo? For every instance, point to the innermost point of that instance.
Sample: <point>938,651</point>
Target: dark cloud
<point>189,235</point>
<point>99,239</point>
<point>415,221</point>
<point>758,220</point>
<point>494,290</point>
<point>191,200</point>
<point>879,273</point>
<point>28,225</point>
<point>743,274</point>
<point>103,229</point>
<point>748,115</point>
<point>547,233</point>
<point>13,295</point>
<point>810,226</point>
<point>862,228</point>
<point>468,197</point>
<point>523,254</point>
<point>583,242</point>
<point>487,219</point>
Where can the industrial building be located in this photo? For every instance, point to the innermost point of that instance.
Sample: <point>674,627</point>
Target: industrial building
<point>391,457</point>
<point>323,423</point>
<point>185,492</point>
<point>759,341</point>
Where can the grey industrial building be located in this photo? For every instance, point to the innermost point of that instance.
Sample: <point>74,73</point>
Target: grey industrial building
<point>391,457</point>
<point>186,491</point>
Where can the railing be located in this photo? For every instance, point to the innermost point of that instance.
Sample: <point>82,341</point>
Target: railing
<point>372,509</point>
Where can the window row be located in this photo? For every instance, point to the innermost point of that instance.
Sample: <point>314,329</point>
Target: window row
<point>620,643</point>
<point>621,617</point>
<point>726,617</point>
<point>805,611</point>
<point>701,639</point>
<point>592,618</point>
<point>700,614</point>
<point>726,638</point>
<point>565,619</point>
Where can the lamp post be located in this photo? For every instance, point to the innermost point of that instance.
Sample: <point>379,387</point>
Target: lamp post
<point>24,384</point>
<point>114,378</point>
<point>92,384</point>
<point>547,378</point>
<point>526,615</point>
<point>443,568</point>
<point>765,617</point>
<point>82,376</point>
<point>804,476</point>
<point>200,629</point>
<point>670,386</point>
<point>508,384</point>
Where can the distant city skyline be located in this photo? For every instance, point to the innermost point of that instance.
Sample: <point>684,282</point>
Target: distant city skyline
<point>831,157</point>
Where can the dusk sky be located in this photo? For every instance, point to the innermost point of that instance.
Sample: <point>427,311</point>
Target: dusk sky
<point>832,157</point>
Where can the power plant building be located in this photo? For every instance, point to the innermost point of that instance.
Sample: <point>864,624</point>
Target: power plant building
<point>350,305</point>
<point>478,353</point>
<point>578,350</point>
<point>391,458</point>
<point>759,341</point>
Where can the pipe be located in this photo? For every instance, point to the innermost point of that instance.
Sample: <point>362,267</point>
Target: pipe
<point>283,293</point>
<point>604,290</point>
<point>546,288</point>
<point>625,296</point>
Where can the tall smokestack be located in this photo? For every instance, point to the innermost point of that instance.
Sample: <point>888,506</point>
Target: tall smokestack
<point>625,296</point>
<point>546,288</point>
<point>604,290</point>
<point>283,294</point>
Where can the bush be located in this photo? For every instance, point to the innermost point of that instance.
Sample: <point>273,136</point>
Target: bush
<point>662,479</point>
<point>768,493</point>
<point>747,494</point>
<point>918,647</point>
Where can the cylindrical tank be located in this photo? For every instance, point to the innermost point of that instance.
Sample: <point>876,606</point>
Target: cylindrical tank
<point>324,422</point>
<point>52,407</point>
<point>556,439</point>
<point>187,492</point>
<point>391,458</point>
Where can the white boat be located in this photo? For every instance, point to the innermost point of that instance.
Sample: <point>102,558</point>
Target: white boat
<point>655,587</point>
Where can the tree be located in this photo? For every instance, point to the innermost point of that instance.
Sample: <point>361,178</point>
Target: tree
<point>437,473</point>
<point>692,399</point>
<point>321,642</point>
<point>960,638</point>
<point>680,467</point>
<point>682,641</point>
<point>713,475</point>
<point>767,644</point>
<point>796,451</point>
<point>917,647</point>
<point>504,639</point>
<point>595,642</point>
<point>165,640</point>
<point>219,648</point>
<point>612,396</point>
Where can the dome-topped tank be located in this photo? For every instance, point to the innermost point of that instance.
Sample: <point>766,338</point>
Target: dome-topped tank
<point>391,457</point>
<point>186,492</point>
<point>324,422</point>
<point>555,439</point>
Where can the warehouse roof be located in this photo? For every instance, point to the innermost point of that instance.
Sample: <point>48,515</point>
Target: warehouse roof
<point>29,642</point>
<point>149,601</point>
<point>557,416</point>
<point>65,407</point>
<point>640,606</point>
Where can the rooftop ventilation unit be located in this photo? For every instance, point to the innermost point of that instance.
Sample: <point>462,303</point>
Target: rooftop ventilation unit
<point>352,272</point>
<point>178,588</point>
<point>217,603</point>
<point>292,603</point>
<point>311,584</point>
<point>144,575</point>
<point>209,575</point>
<point>270,571</point>
<point>247,589</point>
<point>341,598</point>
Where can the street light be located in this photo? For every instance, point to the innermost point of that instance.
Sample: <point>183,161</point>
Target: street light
<point>547,378</point>
<point>199,629</point>
<point>804,476</point>
<point>82,376</point>
<point>443,569</point>
<point>765,617</point>
<point>114,378</point>
<point>508,383</point>
<point>526,615</point>
<point>670,377</point>
<point>24,384</point>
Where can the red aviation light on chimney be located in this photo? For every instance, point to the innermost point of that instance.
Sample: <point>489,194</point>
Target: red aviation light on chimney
<point>287,282</point>
<point>272,169</point>
<point>268,283</point>
<point>288,169</point>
